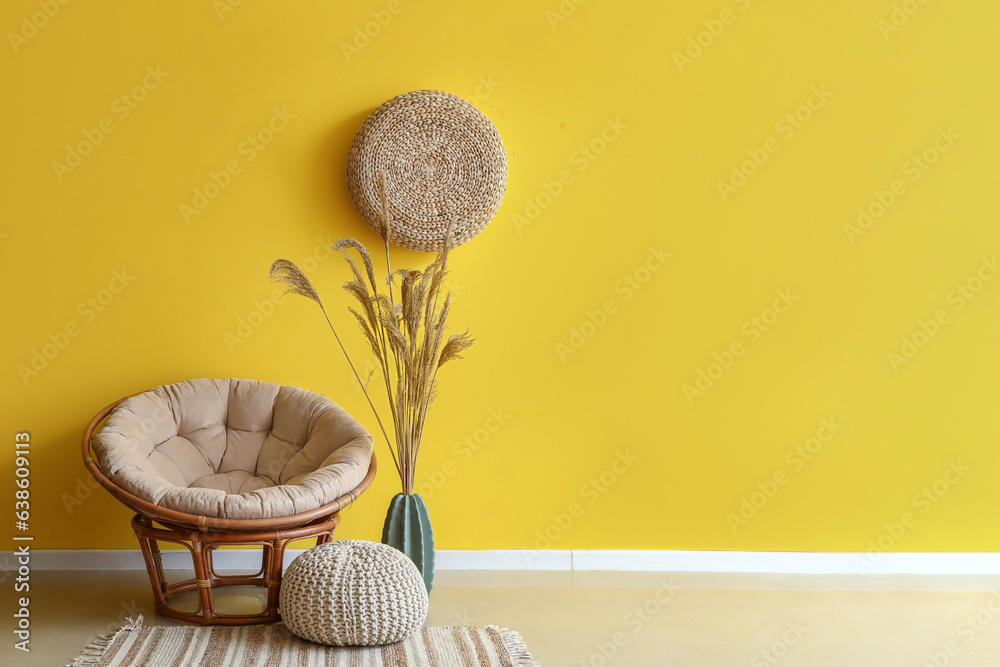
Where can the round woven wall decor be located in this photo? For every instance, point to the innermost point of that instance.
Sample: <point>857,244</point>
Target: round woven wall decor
<point>443,161</point>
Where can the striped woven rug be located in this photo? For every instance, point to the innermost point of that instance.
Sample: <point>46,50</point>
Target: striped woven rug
<point>273,645</point>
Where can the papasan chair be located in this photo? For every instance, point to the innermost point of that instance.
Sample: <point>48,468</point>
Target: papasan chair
<point>228,462</point>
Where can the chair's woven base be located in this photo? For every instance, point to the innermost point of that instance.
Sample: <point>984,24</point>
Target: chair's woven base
<point>202,545</point>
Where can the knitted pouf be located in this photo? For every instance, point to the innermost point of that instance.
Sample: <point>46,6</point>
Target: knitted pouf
<point>353,593</point>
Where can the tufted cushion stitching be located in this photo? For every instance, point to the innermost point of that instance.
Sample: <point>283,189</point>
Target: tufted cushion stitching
<point>250,485</point>
<point>186,457</point>
<point>165,467</point>
<point>270,425</point>
<point>187,436</point>
<point>120,453</point>
<point>273,472</point>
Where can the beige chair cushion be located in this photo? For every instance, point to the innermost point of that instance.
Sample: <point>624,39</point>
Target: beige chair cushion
<point>233,449</point>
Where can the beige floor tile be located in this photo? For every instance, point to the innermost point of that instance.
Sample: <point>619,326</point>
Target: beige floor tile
<point>622,619</point>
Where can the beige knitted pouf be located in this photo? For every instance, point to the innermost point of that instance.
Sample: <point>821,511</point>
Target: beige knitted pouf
<point>353,593</point>
<point>443,162</point>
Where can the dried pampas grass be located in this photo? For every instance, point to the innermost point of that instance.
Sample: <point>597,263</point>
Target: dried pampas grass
<point>406,336</point>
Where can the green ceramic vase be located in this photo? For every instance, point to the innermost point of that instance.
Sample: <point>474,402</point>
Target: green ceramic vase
<point>408,528</point>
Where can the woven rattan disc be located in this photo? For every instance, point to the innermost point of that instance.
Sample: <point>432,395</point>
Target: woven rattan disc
<point>443,161</point>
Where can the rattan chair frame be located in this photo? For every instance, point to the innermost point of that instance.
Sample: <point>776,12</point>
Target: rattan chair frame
<point>202,535</point>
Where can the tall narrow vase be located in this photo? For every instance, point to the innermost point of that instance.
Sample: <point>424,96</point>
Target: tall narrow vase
<point>408,528</point>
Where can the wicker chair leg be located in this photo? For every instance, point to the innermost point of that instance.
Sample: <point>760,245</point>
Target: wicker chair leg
<point>272,573</point>
<point>154,561</point>
<point>201,546</point>
<point>208,552</point>
<point>327,536</point>
<point>202,577</point>
<point>158,566</point>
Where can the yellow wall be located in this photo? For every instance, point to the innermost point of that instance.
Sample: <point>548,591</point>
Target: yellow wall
<point>619,149</point>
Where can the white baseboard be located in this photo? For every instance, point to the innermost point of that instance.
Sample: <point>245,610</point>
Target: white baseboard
<point>776,562</point>
<point>722,562</point>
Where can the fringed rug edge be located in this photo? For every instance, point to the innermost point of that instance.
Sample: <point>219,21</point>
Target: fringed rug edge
<point>94,651</point>
<point>516,647</point>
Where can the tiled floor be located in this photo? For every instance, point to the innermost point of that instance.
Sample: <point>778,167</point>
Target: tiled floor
<point>627,619</point>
